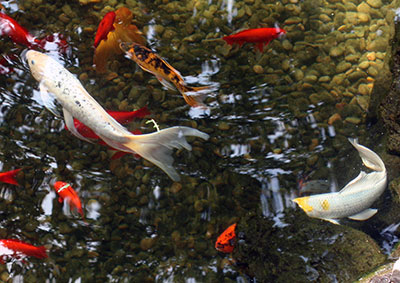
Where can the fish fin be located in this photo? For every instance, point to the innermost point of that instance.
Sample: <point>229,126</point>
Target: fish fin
<point>350,185</point>
<point>165,83</point>
<point>9,177</point>
<point>118,155</point>
<point>228,40</point>
<point>194,96</point>
<point>334,221</point>
<point>69,121</point>
<point>260,46</point>
<point>48,100</point>
<point>364,215</point>
<point>60,200</point>
<point>157,147</point>
<point>39,252</point>
<point>370,159</point>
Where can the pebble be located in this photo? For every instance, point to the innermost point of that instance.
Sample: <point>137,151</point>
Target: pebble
<point>335,117</point>
<point>363,89</point>
<point>223,126</point>
<point>353,120</point>
<point>336,51</point>
<point>375,3</point>
<point>258,69</point>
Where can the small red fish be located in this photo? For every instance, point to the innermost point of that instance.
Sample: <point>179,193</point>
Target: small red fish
<point>17,249</point>
<point>106,25</point>
<point>122,117</point>
<point>226,241</point>
<point>259,36</point>
<point>18,34</point>
<point>9,177</point>
<point>67,193</point>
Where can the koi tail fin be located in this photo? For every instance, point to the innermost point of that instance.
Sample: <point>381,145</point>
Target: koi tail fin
<point>229,40</point>
<point>157,147</point>
<point>194,96</point>
<point>9,177</point>
<point>369,158</point>
<point>39,252</point>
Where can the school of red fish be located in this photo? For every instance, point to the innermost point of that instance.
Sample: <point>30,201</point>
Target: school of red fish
<point>115,36</point>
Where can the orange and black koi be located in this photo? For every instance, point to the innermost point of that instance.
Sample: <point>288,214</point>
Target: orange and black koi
<point>164,72</point>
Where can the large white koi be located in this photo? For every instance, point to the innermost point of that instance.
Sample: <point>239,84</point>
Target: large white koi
<point>355,199</point>
<point>76,102</point>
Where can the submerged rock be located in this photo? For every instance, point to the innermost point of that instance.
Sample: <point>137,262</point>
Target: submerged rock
<point>299,249</point>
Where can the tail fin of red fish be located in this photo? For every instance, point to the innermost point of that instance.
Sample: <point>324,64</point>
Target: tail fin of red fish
<point>157,147</point>
<point>38,252</point>
<point>229,40</point>
<point>9,177</point>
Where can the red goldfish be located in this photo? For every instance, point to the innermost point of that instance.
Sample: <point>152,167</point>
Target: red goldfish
<point>259,36</point>
<point>16,248</point>
<point>18,34</point>
<point>9,177</point>
<point>67,193</point>
<point>106,25</point>
<point>226,241</point>
<point>123,31</point>
<point>122,117</point>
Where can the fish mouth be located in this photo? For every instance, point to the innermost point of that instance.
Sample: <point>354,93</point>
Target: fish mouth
<point>303,203</point>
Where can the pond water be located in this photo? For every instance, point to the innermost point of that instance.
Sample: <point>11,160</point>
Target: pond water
<point>275,118</point>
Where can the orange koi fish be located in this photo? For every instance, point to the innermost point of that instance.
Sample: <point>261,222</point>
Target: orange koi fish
<point>9,177</point>
<point>226,241</point>
<point>259,36</point>
<point>18,249</point>
<point>67,193</point>
<point>106,25</point>
<point>164,72</point>
<point>121,30</point>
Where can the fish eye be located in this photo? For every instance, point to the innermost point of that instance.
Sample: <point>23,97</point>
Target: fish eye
<point>33,62</point>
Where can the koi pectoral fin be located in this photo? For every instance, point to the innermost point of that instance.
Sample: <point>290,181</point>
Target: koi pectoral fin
<point>165,83</point>
<point>69,121</point>
<point>48,100</point>
<point>364,215</point>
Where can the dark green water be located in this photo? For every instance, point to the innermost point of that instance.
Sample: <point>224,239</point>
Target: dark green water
<point>273,117</point>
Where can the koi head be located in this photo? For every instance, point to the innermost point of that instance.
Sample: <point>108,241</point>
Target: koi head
<point>37,63</point>
<point>303,203</point>
<point>226,241</point>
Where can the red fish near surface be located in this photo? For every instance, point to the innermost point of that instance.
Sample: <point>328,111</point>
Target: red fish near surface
<point>18,34</point>
<point>9,177</point>
<point>226,241</point>
<point>17,249</point>
<point>67,193</point>
<point>106,25</point>
<point>259,36</point>
<point>122,117</point>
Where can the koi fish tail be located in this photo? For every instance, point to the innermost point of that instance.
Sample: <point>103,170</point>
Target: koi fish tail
<point>157,147</point>
<point>9,177</point>
<point>38,252</point>
<point>229,40</point>
<point>194,95</point>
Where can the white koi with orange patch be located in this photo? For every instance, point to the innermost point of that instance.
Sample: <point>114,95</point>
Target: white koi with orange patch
<point>355,199</point>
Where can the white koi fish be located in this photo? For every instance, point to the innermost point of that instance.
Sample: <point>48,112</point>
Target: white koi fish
<point>76,102</point>
<point>355,199</point>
